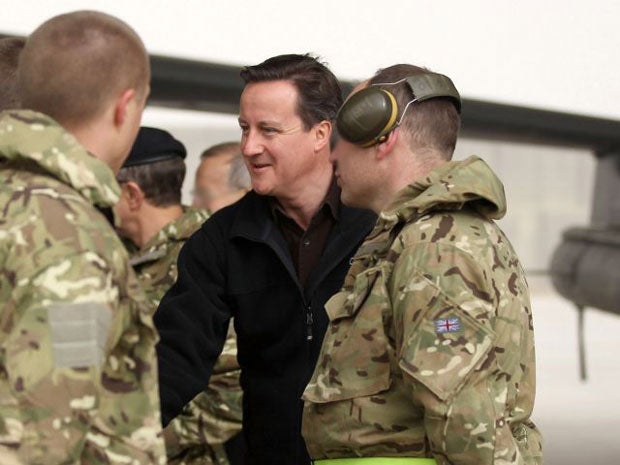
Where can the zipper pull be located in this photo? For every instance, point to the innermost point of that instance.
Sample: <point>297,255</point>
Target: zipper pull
<point>309,323</point>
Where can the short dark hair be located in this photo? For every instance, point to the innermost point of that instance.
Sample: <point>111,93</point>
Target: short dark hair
<point>75,63</point>
<point>10,49</point>
<point>320,94</point>
<point>161,181</point>
<point>433,123</point>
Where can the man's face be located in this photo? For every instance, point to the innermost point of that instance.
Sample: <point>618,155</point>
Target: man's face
<point>354,168</point>
<point>212,190</point>
<point>354,172</point>
<point>278,151</point>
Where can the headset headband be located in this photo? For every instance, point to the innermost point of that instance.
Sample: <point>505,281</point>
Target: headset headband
<point>368,116</point>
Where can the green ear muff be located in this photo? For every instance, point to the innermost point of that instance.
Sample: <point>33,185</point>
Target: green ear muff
<point>367,116</point>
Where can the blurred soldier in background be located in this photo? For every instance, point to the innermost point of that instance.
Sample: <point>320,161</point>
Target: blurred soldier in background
<point>429,354</point>
<point>78,363</point>
<point>156,225</point>
<point>221,177</point>
<point>10,48</point>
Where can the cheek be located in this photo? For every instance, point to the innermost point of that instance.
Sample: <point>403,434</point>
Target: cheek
<point>121,208</point>
<point>347,167</point>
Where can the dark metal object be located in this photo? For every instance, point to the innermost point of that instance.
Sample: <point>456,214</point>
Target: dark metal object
<point>585,267</point>
<point>582,342</point>
<point>195,85</point>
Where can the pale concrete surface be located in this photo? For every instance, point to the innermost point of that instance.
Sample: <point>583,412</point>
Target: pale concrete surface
<point>580,420</point>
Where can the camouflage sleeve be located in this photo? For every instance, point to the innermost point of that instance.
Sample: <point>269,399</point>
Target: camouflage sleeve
<point>445,341</point>
<point>78,347</point>
<point>212,417</point>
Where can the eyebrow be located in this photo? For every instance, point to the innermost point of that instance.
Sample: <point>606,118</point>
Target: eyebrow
<point>262,122</point>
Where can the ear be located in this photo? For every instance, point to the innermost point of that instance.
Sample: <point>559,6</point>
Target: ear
<point>122,106</point>
<point>322,133</point>
<point>384,148</point>
<point>135,195</point>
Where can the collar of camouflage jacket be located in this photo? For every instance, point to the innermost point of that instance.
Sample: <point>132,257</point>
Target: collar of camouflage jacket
<point>179,230</point>
<point>451,186</point>
<point>28,136</point>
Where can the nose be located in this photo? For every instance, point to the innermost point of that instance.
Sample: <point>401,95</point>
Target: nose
<point>251,144</point>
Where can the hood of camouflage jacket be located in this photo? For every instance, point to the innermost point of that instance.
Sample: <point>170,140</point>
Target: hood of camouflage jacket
<point>31,137</point>
<point>451,186</point>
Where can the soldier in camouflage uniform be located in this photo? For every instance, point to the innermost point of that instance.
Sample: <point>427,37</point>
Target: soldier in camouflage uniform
<point>78,373</point>
<point>429,354</point>
<point>155,226</point>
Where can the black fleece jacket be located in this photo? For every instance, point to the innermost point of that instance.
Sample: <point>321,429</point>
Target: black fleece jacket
<point>238,265</point>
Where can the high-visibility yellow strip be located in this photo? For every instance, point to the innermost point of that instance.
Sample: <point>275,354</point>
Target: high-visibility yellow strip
<point>376,461</point>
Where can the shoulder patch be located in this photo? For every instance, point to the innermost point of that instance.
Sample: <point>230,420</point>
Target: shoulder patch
<point>79,333</point>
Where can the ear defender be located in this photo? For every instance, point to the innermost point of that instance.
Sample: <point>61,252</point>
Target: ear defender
<point>368,116</point>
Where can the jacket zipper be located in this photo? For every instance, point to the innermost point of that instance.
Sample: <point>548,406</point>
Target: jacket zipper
<point>309,321</point>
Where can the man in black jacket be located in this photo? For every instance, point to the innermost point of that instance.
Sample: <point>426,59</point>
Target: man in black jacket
<point>271,261</point>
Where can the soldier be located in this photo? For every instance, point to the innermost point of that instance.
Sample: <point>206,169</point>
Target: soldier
<point>429,353</point>
<point>271,260</point>
<point>155,226</point>
<point>10,48</point>
<point>78,371</point>
<point>221,177</point>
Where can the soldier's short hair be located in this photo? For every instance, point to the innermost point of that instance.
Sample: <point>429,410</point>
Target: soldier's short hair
<point>433,123</point>
<point>161,181</point>
<point>10,49</point>
<point>74,64</point>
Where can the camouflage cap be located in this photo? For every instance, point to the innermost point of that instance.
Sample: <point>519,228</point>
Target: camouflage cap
<point>153,145</point>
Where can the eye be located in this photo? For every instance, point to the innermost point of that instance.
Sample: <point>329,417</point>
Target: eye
<point>269,130</point>
<point>244,128</point>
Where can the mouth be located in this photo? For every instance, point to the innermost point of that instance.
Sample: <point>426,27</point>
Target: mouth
<point>259,166</point>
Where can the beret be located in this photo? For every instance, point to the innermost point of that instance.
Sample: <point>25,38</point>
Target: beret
<point>153,145</point>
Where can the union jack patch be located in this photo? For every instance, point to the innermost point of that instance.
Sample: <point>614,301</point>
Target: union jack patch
<point>447,325</point>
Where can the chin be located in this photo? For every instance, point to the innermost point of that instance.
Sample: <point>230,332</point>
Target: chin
<point>262,189</point>
<point>351,201</point>
<point>346,199</point>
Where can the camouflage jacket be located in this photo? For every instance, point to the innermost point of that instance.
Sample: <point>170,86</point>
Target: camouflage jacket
<point>430,348</point>
<point>78,374</point>
<point>156,262</point>
<point>196,436</point>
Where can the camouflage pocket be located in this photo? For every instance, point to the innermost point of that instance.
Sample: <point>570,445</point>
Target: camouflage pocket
<point>445,346</point>
<point>354,361</point>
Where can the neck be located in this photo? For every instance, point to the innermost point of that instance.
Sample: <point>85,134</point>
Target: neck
<point>93,138</point>
<point>154,219</point>
<point>302,206</point>
<point>407,168</point>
